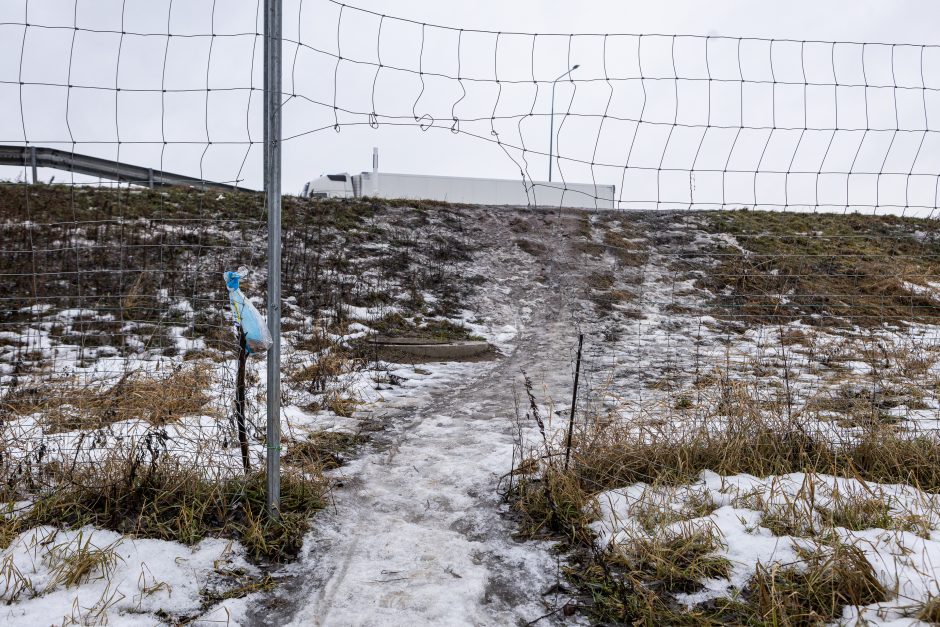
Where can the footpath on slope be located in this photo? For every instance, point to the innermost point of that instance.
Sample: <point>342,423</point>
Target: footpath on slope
<point>417,534</point>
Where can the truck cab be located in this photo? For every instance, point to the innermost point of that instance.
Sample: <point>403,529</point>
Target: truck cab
<point>331,186</point>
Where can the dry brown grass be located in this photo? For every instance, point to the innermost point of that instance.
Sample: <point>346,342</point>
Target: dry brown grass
<point>729,427</point>
<point>814,591</point>
<point>600,280</point>
<point>845,268</point>
<point>167,500</point>
<point>532,247</point>
<point>662,505</point>
<point>318,376</point>
<point>323,450</point>
<point>621,238</point>
<point>79,560</point>
<point>930,611</point>
<point>675,559</point>
<point>10,526</point>
<point>68,405</point>
<point>315,340</point>
<point>625,247</point>
<point>737,429</point>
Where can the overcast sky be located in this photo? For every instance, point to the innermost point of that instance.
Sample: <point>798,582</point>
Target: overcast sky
<point>723,129</point>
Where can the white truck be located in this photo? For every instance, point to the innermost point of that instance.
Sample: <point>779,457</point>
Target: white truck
<point>460,189</point>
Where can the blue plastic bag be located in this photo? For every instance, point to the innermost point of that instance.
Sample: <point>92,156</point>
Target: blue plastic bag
<point>247,317</point>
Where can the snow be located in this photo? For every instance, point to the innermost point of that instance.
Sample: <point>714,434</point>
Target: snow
<point>146,579</point>
<point>907,565</point>
<point>417,534</point>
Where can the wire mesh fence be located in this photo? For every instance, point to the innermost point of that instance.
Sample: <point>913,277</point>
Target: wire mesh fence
<point>116,337</point>
<point>119,358</point>
<point>673,121</point>
<point>684,125</point>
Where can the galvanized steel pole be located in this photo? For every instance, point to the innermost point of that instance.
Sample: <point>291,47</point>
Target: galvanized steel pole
<point>272,196</point>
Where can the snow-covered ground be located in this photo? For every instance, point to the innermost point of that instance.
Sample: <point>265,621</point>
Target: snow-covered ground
<point>656,374</point>
<point>905,557</point>
<point>416,531</point>
<point>91,576</point>
<point>418,534</point>
<point>421,497</point>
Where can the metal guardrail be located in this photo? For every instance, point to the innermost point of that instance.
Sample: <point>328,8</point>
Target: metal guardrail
<point>35,157</point>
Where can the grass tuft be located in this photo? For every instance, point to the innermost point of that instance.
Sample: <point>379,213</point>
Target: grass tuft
<point>168,501</point>
<point>730,429</point>
<point>323,450</point>
<point>156,398</point>
<point>814,591</point>
<point>858,512</point>
<point>675,559</point>
<point>77,561</point>
<point>929,612</point>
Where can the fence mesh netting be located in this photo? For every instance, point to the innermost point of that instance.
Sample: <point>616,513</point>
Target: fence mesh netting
<point>732,222</point>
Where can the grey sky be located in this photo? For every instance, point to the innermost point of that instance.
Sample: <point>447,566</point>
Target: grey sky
<point>187,117</point>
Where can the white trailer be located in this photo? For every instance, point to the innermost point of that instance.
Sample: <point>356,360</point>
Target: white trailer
<point>461,189</point>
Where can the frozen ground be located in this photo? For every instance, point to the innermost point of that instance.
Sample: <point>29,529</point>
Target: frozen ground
<point>416,531</point>
<point>417,534</point>
<point>656,372</point>
<point>905,557</point>
<point>416,524</point>
<point>128,581</point>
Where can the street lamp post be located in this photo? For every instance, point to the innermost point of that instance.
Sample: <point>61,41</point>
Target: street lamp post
<point>551,128</point>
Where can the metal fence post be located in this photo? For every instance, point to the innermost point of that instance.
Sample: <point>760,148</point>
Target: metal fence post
<point>272,192</point>
<point>574,400</point>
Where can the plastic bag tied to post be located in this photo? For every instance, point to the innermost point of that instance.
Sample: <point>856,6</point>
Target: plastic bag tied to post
<point>247,317</point>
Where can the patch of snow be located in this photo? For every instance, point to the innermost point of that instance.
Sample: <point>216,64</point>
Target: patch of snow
<point>145,581</point>
<point>907,565</point>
